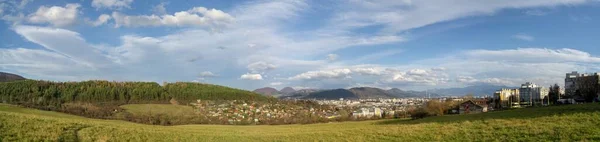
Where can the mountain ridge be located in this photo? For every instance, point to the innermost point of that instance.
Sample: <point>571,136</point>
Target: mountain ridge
<point>371,92</point>
<point>6,77</point>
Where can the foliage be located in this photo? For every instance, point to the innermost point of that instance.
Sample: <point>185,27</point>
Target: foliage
<point>419,113</point>
<point>554,93</point>
<point>51,95</point>
<point>439,108</point>
<point>577,123</point>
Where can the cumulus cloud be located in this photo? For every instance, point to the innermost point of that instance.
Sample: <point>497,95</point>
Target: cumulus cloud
<point>509,67</point>
<point>111,4</point>
<point>524,37</point>
<point>324,74</point>
<point>258,67</point>
<point>197,16</point>
<point>56,15</point>
<point>250,76</point>
<point>102,19</point>
<point>160,9</point>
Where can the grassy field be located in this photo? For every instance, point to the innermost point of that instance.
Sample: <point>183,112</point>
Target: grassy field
<point>564,123</point>
<point>168,109</point>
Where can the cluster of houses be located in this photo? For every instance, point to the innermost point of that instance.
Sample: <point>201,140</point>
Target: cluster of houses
<point>245,112</point>
<point>376,108</point>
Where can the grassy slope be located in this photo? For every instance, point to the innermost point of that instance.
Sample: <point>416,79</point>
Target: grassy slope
<point>567,123</point>
<point>168,109</point>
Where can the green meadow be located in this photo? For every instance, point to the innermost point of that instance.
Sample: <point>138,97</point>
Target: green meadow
<point>556,123</point>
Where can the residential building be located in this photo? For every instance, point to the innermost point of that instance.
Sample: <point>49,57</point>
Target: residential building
<point>470,107</point>
<point>506,97</point>
<point>570,81</point>
<point>582,86</point>
<point>531,94</point>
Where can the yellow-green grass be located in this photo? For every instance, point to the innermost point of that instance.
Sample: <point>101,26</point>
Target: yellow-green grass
<point>563,123</point>
<point>168,109</point>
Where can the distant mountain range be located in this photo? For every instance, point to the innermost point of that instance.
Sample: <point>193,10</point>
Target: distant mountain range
<point>5,77</point>
<point>369,92</point>
<point>477,90</point>
<point>267,91</point>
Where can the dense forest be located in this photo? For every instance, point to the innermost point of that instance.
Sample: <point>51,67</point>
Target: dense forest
<point>98,98</point>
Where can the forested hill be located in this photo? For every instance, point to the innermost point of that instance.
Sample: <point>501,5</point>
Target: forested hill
<point>52,94</point>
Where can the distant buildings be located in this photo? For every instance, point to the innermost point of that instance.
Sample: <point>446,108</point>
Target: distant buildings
<point>585,87</point>
<point>506,97</point>
<point>530,94</point>
<point>527,95</point>
<point>368,112</point>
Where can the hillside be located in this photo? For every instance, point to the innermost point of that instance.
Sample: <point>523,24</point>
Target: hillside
<point>287,90</point>
<point>370,93</point>
<point>332,94</point>
<point>267,91</point>
<point>366,93</point>
<point>6,77</point>
<point>577,123</point>
<point>101,99</point>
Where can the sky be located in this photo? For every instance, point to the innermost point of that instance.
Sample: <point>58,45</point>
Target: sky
<point>406,44</point>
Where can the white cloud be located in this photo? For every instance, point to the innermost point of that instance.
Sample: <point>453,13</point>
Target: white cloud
<point>249,76</point>
<point>197,16</point>
<point>160,9</point>
<point>524,37</point>
<point>332,57</point>
<point>438,69</point>
<point>324,74</point>
<point>533,55</point>
<point>56,15</point>
<point>102,19</point>
<point>399,16</point>
<point>509,67</point>
<point>65,42</point>
<point>259,67</point>
<point>418,72</point>
<point>207,74</point>
<point>369,71</point>
<point>276,83</point>
<point>111,4</point>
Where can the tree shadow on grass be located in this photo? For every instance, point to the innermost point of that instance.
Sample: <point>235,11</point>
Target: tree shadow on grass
<point>525,113</point>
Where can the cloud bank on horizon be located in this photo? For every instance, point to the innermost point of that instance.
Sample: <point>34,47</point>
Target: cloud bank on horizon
<point>404,44</point>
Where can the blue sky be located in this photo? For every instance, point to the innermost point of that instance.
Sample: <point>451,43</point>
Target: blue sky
<point>405,44</point>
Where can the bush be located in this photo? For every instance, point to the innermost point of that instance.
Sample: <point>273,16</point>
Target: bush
<point>419,113</point>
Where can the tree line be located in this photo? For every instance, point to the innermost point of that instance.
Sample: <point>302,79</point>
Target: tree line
<point>51,95</point>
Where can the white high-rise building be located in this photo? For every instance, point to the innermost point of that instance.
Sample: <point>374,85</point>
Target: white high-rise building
<point>531,94</point>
